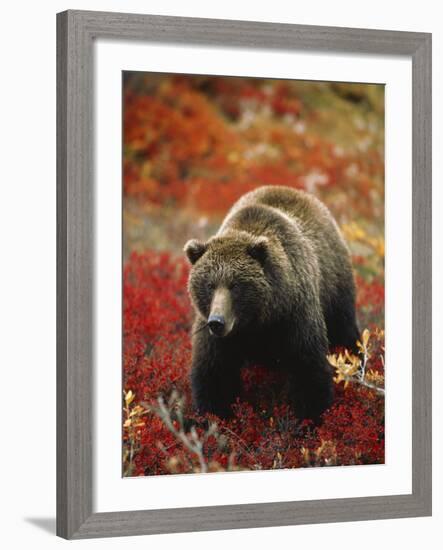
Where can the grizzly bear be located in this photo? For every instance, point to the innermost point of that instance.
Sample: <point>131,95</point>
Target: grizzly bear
<point>273,287</point>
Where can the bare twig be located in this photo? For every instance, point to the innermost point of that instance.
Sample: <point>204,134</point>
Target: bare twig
<point>367,384</point>
<point>191,441</point>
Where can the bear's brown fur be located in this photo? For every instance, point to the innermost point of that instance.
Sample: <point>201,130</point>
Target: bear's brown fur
<point>273,287</point>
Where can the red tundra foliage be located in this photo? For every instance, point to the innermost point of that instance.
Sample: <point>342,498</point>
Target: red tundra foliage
<point>264,432</point>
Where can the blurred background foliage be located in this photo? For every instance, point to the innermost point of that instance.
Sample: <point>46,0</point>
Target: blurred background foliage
<point>194,144</point>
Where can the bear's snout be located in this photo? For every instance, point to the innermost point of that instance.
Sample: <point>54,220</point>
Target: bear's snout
<point>221,317</point>
<point>216,324</point>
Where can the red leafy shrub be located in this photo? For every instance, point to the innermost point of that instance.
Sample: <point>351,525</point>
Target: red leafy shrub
<point>156,324</point>
<point>263,434</point>
<point>371,301</point>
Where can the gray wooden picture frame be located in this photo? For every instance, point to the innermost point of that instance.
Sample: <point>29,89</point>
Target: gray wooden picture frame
<point>76,32</point>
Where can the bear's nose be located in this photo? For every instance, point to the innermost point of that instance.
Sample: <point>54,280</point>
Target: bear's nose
<point>216,324</point>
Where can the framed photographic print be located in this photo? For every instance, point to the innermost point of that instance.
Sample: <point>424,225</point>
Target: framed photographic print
<point>244,274</point>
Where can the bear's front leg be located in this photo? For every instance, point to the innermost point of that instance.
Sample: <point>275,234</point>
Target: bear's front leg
<point>215,375</point>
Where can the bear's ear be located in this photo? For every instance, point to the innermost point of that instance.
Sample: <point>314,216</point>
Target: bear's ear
<point>259,249</point>
<point>194,250</point>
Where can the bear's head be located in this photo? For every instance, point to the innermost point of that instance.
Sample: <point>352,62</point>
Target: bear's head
<point>230,283</point>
